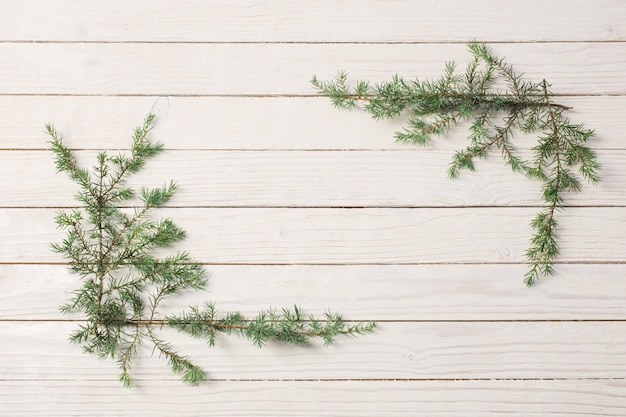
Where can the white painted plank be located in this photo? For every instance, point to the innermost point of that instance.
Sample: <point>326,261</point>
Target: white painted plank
<point>320,21</point>
<point>415,178</point>
<point>282,69</point>
<point>237,123</point>
<point>317,398</point>
<point>262,100</point>
<point>443,350</point>
<point>338,236</point>
<point>389,292</point>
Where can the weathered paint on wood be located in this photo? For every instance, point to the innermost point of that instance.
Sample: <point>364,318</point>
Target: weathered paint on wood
<point>288,201</point>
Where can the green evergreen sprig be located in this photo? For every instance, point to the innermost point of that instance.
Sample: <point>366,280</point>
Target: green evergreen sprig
<point>123,283</point>
<point>435,106</point>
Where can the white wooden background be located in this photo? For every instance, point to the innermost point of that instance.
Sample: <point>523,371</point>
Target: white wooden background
<point>288,200</point>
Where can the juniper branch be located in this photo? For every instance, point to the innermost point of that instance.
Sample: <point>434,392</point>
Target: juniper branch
<point>124,284</point>
<point>436,105</point>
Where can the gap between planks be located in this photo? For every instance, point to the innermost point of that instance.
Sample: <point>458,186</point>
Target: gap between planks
<point>138,42</point>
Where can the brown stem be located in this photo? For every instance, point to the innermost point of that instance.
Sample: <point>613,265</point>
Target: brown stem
<point>557,158</point>
<point>469,96</point>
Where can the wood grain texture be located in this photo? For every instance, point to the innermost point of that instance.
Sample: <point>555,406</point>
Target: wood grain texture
<point>281,69</point>
<point>372,292</point>
<point>569,398</point>
<point>249,123</point>
<point>319,21</point>
<point>414,350</point>
<point>290,201</point>
<point>348,236</point>
<point>405,178</point>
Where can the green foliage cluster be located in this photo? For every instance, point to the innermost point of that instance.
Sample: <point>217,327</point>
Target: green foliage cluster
<point>435,106</point>
<point>123,284</point>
